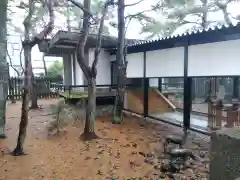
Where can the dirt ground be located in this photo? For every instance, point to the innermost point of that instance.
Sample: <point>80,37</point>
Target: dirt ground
<point>117,154</point>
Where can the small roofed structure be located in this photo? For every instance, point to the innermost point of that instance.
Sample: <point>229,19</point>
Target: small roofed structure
<point>66,42</point>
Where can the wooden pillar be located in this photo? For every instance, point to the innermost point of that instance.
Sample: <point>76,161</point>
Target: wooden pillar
<point>214,111</point>
<point>235,114</point>
<point>160,84</point>
<point>145,88</point>
<point>187,93</point>
<point>237,120</point>
<point>236,87</point>
<point>219,115</point>
<point>210,114</point>
<point>230,117</point>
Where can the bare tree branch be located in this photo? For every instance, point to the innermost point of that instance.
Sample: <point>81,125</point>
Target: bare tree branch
<point>236,18</point>
<point>133,4</point>
<point>183,12</point>
<point>10,63</point>
<point>81,6</point>
<point>44,65</point>
<point>127,25</point>
<point>46,30</point>
<point>20,60</point>
<point>99,38</point>
<point>132,16</point>
<point>213,6</point>
<point>204,15</point>
<point>223,8</point>
<point>82,41</point>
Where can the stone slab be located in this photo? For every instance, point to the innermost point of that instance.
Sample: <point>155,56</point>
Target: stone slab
<point>224,154</point>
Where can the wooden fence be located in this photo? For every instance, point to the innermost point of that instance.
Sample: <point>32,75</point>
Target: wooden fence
<point>15,85</point>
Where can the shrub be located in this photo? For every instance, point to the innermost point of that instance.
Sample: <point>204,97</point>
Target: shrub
<point>61,113</point>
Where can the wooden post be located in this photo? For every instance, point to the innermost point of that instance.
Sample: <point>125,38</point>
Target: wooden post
<point>237,123</point>
<point>210,114</point>
<point>219,115</point>
<point>235,114</point>
<point>235,117</point>
<point>214,110</point>
<point>230,117</point>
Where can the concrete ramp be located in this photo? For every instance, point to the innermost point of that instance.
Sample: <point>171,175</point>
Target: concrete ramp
<point>158,103</point>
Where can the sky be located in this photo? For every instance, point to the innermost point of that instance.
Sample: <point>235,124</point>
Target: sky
<point>133,31</point>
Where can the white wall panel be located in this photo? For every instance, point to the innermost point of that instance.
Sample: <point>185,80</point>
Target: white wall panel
<point>165,63</point>
<point>214,59</point>
<point>112,57</point>
<point>72,59</point>
<point>135,65</point>
<point>79,73</point>
<point>153,82</point>
<point>103,67</point>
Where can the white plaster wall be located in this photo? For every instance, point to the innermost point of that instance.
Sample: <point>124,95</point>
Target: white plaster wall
<point>73,82</point>
<point>79,75</point>
<point>103,67</point>
<point>153,82</point>
<point>113,57</point>
<point>165,63</point>
<point>135,65</point>
<point>214,59</point>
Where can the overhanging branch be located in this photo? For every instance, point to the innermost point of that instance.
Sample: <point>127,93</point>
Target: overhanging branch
<point>10,63</point>
<point>133,4</point>
<point>81,6</point>
<point>99,38</point>
<point>82,41</point>
<point>46,30</point>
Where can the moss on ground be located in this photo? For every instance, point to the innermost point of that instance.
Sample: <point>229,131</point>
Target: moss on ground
<point>73,95</point>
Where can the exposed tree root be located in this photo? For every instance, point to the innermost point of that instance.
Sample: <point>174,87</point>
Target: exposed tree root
<point>18,152</point>
<point>89,136</point>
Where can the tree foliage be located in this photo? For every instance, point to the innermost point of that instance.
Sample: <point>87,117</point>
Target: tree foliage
<point>55,69</point>
<point>28,43</point>
<point>61,111</point>
<point>187,14</point>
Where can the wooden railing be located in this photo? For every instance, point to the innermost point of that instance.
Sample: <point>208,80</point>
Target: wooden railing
<point>216,119</point>
<point>15,85</point>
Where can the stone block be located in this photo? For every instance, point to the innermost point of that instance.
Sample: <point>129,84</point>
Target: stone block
<point>224,154</point>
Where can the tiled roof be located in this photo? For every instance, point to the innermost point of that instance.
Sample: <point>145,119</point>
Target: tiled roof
<point>219,27</point>
<point>191,35</point>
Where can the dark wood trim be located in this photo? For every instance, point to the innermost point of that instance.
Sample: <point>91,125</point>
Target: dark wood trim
<point>145,88</point>
<point>187,92</point>
<point>73,57</point>
<point>201,37</point>
<point>236,87</point>
<point>160,84</point>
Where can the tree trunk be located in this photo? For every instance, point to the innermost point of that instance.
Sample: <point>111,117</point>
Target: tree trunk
<point>121,64</point>
<point>34,104</point>
<point>204,15</point>
<point>89,130</point>
<point>25,103</point>
<point>11,92</point>
<point>44,65</point>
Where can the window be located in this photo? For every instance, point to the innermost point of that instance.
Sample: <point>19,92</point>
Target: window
<point>15,48</point>
<point>113,72</point>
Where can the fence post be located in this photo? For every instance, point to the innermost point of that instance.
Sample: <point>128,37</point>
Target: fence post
<point>145,88</point>
<point>210,114</point>
<point>230,118</point>
<point>145,97</point>
<point>160,84</point>
<point>236,87</point>
<point>69,90</point>
<point>219,114</point>
<point>187,92</point>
